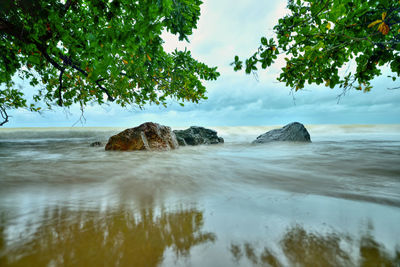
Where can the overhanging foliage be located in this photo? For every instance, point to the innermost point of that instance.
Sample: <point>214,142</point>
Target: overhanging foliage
<point>320,37</point>
<point>81,51</point>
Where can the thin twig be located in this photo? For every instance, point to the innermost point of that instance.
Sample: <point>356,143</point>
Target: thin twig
<point>82,118</point>
<point>4,115</point>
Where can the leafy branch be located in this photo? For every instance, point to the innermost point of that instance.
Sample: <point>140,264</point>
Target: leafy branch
<point>320,37</point>
<point>97,51</point>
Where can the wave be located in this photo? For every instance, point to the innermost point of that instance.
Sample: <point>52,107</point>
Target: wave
<point>56,133</point>
<point>230,133</point>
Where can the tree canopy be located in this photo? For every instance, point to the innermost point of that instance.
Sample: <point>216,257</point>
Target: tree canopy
<point>83,51</point>
<point>321,39</point>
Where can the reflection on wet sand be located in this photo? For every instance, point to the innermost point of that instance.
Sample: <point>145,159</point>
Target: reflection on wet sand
<point>301,248</point>
<point>109,238</point>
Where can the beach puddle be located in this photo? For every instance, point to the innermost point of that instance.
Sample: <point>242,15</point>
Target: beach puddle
<point>217,235</point>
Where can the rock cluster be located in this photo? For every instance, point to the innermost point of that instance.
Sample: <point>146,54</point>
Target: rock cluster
<point>295,132</point>
<point>153,136</point>
<point>197,136</point>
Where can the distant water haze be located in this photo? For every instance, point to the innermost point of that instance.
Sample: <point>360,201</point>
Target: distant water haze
<point>332,202</point>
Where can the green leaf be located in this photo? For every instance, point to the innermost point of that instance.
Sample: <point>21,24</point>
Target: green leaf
<point>264,41</point>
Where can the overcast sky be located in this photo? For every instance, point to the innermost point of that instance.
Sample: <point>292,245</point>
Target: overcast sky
<point>227,29</point>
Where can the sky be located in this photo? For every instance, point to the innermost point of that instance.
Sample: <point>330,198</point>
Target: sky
<point>226,29</point>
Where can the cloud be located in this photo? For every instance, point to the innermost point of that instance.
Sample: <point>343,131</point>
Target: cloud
<point>225,30</point>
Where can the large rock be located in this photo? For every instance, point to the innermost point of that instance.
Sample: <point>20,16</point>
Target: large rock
<point>295,132</point>
<point>197,136</point>
<point>148,136</point>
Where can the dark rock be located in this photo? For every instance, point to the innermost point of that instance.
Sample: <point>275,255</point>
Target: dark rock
<point>95,144</point>
<point>148,136</point>
<point>197,136</point>
<point>180,140</point>
<point>295,132</point>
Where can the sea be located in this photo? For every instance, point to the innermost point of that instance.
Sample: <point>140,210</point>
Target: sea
<point>332,202</point>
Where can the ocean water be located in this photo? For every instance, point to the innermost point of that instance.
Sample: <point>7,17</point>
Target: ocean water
<point>332,202</point>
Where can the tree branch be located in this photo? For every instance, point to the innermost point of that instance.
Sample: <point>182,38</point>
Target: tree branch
<point>312,16</point>
<point>2,25</point>
<point>4,115</point>
<point>60,101</point>
<point>68,61</point>
<point>42,49</point>
<point>110,97</point>
<point>12,30</point>
<point>322,9</point>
